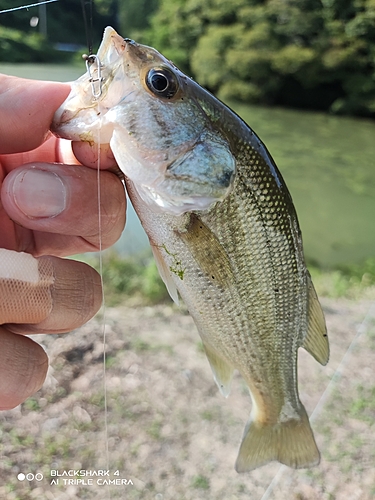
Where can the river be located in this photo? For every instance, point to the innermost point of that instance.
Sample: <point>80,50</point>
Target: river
<point>328,163</point>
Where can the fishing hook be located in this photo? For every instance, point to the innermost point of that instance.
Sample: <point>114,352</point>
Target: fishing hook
<point>96,83</point>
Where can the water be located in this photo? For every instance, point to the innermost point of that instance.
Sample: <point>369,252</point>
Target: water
<point>327,162</point>
<point>53,72</point>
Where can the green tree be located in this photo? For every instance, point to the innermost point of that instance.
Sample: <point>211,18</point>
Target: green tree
<point>134,16</point>
<point>350,53</point>
<point>310,53</point>
<point>16,46</point>
<point>175,29</point>
<point>20,41</point>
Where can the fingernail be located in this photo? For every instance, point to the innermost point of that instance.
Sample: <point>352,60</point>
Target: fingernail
<point>39,193</point>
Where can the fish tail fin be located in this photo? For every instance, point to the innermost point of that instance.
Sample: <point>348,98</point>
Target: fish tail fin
<point>290,442</point>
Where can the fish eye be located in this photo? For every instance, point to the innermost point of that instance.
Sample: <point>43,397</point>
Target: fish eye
<point>162,82</point>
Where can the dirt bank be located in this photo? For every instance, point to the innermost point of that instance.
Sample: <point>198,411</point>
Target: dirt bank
<point>171,435</point>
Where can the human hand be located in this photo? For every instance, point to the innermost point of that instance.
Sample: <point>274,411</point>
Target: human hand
<point>47,210</point>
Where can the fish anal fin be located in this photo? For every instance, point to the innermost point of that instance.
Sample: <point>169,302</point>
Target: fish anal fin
<point>222,371</point>
<point>316,340</point>
<point>165,273</point>
<point>290,442</point>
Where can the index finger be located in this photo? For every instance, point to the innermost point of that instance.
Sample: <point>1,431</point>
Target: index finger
<point>95,155</point>
<point>26,111</point>
<point>53,150</point>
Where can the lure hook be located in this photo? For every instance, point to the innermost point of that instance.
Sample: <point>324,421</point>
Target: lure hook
<point>96,82</point>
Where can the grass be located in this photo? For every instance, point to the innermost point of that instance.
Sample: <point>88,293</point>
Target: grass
<point>350,281</point>
<point>154,430</point>
<point>130,278</point>
<point>141,346</point>
<point>363,407</point>
<point>32,404</point>
<point>200,482</point>
<point>19,439</point>
<point>110,361</point>
<point>207,415</point>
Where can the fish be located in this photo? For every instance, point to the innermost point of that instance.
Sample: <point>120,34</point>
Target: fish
<point>222,227</point>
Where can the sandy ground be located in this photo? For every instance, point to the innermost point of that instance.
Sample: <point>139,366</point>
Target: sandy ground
<point>169,434</point>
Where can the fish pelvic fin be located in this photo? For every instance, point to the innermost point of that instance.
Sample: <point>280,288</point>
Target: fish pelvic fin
<point>316,340</point>
<point>222,371</point>
<point>165,273</point>
<point>290,442</point>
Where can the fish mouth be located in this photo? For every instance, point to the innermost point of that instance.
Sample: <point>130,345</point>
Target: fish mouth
<point>83,115</point>
<point>85,110</point>
<point>114,48</point>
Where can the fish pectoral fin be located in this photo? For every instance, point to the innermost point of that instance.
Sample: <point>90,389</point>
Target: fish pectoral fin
<point>222,371</point>
<point>290,442</point>
<point>316,340</point>
<point>165,274</point>
<point>208,252</point>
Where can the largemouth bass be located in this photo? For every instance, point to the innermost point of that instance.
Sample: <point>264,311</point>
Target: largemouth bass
<point>222,227</point>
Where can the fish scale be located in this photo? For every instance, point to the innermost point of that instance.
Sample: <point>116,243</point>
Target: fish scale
<point>223,230</point>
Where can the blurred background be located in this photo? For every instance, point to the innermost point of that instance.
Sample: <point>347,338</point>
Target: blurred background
<point>301,73</point>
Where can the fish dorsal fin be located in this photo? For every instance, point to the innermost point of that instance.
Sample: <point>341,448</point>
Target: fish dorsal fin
<point>316,340</point>
<point>223,372</point>
<point>165,273</point>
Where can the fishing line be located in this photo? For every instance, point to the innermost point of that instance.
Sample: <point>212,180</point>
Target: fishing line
<point>328,390</point>
<point>93,62</point>
<point>104,333</point>
<point>27,6</point>
<point>103,325</point>
<point>104,336</point>
<point>88,25</point>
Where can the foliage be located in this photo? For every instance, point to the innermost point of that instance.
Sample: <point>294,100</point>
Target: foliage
<point>351,281</point>
<point>315,54</point>
<point>134,278</point>
<point>70,23</point>
<point>308,53</point>
<point>201,482</point>
<point>64,24</point>
<point>16,46</point>
<point>133,16</point>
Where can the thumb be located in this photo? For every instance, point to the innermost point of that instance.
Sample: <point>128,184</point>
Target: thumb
<point>46,294</point>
